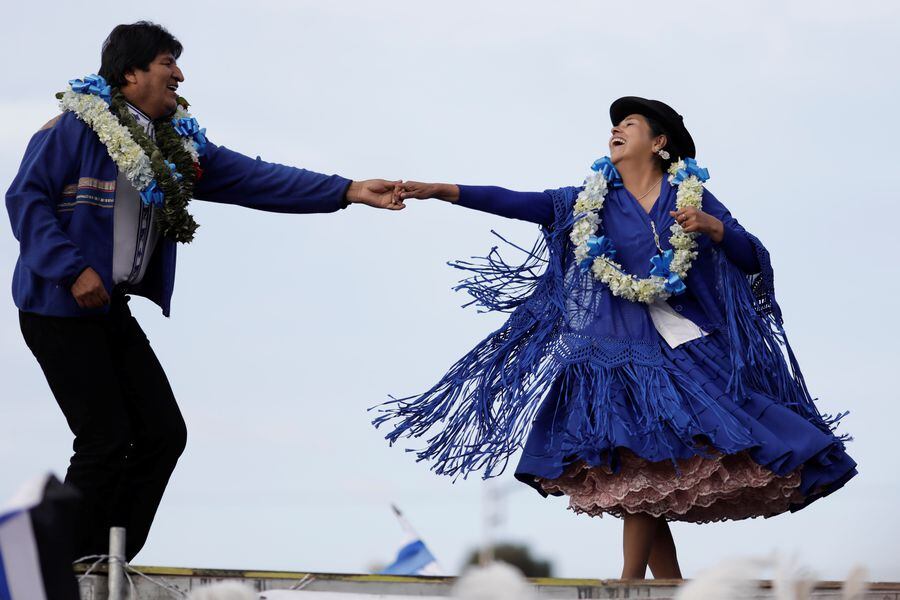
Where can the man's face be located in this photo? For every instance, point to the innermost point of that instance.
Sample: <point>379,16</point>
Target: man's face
<point>154,90</point>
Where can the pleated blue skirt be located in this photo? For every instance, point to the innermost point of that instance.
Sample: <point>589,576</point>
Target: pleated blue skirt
<point>749,455</point>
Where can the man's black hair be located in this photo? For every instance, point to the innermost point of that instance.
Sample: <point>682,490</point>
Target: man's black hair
<point>134,46</point>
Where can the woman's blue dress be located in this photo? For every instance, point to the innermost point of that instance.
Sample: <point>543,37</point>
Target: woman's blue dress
<point>719,427</point>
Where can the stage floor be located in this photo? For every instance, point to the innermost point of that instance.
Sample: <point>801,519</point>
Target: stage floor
<point>164,583</point>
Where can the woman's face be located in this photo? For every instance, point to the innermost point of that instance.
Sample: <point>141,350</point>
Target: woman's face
<point>633,139</point>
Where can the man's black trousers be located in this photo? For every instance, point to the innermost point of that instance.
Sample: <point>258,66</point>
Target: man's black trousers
<point>117,400</point>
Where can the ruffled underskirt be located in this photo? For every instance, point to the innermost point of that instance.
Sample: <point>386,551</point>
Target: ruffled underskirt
<point>701,490</point>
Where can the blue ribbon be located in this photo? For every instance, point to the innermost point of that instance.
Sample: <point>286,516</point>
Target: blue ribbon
<point>608,169</point>
<point>178,176</point>
<point>92,84</point>
<point>601,246</point>
<point>188,127</point>
<point>690,168</point>
<point>597,246</point>
<point>661,263</point>
<point>152,195</point>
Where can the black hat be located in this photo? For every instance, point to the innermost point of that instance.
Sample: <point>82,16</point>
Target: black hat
<point>679,138</point>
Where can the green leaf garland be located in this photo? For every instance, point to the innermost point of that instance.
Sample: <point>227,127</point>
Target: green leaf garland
<point>173,219</point>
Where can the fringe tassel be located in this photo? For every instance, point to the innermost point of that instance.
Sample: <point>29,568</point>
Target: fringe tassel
<point>758,342</point>
<point>484,420</point>
<point>499,286</point>
<point>484,405</point>
<point>487,400</point>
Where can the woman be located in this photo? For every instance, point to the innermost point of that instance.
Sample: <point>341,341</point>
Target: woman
<point>642,364</point>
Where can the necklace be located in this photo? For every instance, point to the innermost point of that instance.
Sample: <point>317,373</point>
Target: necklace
<point>652,224</point>
<point>653,187</point>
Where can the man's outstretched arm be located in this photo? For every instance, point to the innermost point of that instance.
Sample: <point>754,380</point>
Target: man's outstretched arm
<point>232,178</point>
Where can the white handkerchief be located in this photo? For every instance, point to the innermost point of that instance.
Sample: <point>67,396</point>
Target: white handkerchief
<point>673,327</point>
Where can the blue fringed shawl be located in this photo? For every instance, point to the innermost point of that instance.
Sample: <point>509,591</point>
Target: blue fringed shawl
<point>564,326</point>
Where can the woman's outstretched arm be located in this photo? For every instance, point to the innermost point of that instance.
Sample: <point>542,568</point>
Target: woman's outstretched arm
<point>536,207</point>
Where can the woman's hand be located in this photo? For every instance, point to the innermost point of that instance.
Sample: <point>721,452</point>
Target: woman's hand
<point>692,219</point>
<point>420,190</point>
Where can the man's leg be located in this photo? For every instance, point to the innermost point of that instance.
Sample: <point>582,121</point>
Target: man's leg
<point>77,361</point>
<point>158,430</point>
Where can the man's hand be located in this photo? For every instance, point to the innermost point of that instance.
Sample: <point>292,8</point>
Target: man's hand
<point>378,193</point>
<point>692,219</point>
<point>88,290</point>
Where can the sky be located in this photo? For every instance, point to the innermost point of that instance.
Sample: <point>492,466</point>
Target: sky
<point>286,328</point>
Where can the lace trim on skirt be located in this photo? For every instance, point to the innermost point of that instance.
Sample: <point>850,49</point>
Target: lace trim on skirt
<point>714,488</point>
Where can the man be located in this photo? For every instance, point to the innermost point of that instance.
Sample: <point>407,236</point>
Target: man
<point>89,238</point>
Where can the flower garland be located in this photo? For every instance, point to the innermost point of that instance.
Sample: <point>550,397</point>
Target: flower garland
<point>596,253</point>
<point>163,171</point>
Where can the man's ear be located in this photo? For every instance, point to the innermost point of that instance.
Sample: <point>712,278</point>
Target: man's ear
<point>130,77</point>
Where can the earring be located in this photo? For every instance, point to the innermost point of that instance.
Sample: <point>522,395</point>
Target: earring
<point>663,154</point>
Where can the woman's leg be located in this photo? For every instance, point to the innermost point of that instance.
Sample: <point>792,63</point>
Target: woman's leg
<point>663,560</point>
<point>638,536</point>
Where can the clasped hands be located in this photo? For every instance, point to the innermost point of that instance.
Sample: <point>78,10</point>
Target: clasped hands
<point>382,193</point>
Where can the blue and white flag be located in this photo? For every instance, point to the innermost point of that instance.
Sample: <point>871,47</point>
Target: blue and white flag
<point>36,542</point>
<point>414,557</point>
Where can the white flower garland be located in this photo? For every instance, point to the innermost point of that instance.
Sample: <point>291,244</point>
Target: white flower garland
<point>123,149</point>
<point>189,144</point>
<point>587,209</point>
<point>125,152</point>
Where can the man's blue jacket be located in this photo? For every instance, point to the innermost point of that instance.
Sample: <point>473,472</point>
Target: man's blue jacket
<point>62,200</point>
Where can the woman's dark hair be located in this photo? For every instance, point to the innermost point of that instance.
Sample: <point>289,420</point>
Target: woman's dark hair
<point>657,129</point>
<point>134,46</point>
